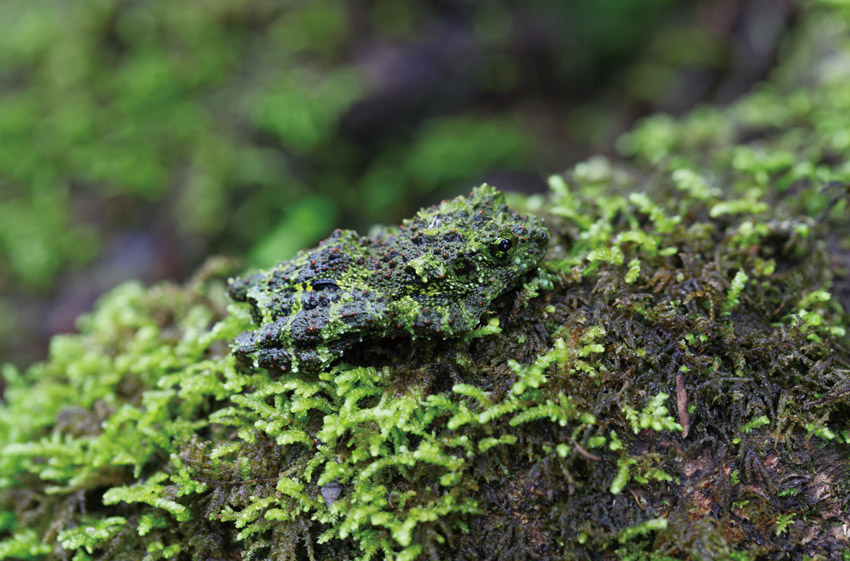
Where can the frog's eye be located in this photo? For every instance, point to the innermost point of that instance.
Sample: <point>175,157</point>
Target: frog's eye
<point>501,247</point>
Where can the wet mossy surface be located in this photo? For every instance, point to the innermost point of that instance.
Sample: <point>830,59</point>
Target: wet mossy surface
<point>141,438</point>
<point>674,383</point>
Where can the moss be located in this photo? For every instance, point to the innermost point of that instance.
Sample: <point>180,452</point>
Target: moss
<point>673,385</point>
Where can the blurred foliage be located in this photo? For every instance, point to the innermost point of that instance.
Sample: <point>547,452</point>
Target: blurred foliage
<point>155,101</point>
<point>230,111</point>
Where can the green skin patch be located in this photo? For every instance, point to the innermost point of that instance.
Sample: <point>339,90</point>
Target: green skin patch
<point>434,276</point>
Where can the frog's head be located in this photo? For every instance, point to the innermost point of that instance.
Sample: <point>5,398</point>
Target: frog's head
<point>478,244</point>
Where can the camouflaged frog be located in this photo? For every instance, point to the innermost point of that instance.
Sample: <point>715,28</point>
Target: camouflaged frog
<point>434,276</point>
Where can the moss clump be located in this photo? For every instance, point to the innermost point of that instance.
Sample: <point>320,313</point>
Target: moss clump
<point>673,384</point>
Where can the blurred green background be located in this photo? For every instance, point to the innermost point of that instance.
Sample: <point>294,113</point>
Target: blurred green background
<point>138,137</point>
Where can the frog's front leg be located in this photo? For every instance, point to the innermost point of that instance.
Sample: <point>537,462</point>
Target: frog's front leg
<point>274,359</point>
<point>317,358</point>
<point>466,313</point>
<point>425,315</point>
<point>263,346</point>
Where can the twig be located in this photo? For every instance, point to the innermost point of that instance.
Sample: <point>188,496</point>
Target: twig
<point>682,404</point>
<point>584,452</point>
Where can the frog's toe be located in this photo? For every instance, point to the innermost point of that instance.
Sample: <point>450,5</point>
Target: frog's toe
<point>244,345</point>
<point>273,359</point>
<point>268,336</point>
<point>306,327</point>
<point>308,360</point>
<point>314,359</point>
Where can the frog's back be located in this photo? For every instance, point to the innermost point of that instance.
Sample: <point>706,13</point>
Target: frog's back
<point>312,279</point>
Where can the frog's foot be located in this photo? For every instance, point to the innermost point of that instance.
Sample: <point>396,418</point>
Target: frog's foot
<point>320,357</point>
<point>258,345</point>
<point>273,359</point>
<point>308,360</point>
<point>244,346</point>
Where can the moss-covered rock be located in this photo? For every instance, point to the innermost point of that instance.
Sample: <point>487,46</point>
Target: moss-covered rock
<point>673,384</point>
